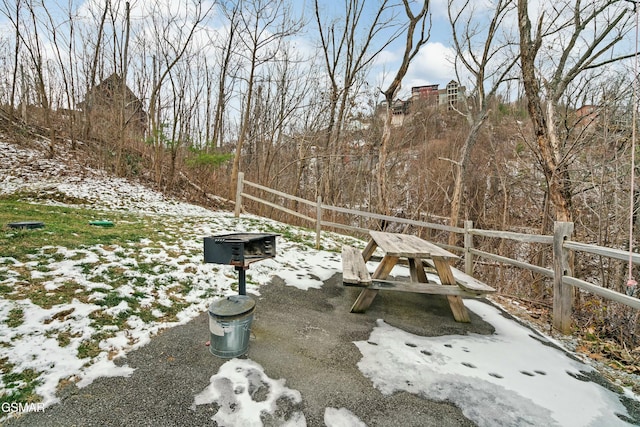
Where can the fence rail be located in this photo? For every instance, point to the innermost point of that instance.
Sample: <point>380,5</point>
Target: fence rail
<point>562,247</point>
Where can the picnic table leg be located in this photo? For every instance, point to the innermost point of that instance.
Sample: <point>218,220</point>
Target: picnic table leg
<point>460,313</point>
<point>369,249</point>
<point>417,271</point>
<point>364,300</point>
<point>367,295</point>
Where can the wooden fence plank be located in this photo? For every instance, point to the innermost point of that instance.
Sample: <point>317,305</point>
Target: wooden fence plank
<point>562,292</point>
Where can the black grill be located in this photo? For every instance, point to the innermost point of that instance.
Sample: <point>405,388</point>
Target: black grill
<point>239,250</point>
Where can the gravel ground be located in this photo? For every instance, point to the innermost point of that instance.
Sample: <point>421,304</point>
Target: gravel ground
<point>313,352</point>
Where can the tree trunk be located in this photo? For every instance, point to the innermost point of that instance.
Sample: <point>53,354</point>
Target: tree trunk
<point>123,94</point>
<point>461,172</point>
<point>16,58</point>
<point>410,51</point>
<point>383,205</point>
<point>244,127</point>
<point>556,173</point>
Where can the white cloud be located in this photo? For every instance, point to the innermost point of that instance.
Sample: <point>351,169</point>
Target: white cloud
<point>432,65</point>
<point>386,58</point>
<point>438,9</point>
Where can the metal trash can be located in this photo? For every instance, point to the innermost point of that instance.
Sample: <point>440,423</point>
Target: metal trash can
<point>230,325</point>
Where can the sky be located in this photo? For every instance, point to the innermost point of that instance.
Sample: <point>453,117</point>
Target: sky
<point>432,65</point>
<point>528,378</point>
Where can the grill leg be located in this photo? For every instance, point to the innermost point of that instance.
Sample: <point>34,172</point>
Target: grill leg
<point>242,280</point>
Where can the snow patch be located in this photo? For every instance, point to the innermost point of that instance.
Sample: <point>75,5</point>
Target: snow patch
<point>505,379</point>
<point>246,396</point>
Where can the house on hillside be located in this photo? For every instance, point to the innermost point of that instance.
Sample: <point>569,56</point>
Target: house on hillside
<point>586,116</point>
<point>615,118</point>
<point>430,96</point>
<point>103,106</point>
<point>451,95</point>
<point>433,96</point>
<point>399,109</point>
<point>427,94</point>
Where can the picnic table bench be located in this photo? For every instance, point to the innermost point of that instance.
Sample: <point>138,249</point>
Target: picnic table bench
<point>454,283</point>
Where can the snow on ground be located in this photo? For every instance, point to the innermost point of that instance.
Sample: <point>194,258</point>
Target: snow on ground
<point>49,340</point>
<point>511,378</point>
<point>488,376</point>
<point>508,378</point>
<point>246,397</point>
<point>234,388</point>
<point>158,284</point>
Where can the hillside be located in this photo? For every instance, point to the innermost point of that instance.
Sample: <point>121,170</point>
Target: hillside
<point>91,295</point>
<point>81,283</point>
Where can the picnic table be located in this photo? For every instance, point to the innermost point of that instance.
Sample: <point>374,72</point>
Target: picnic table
<point>417,252</point>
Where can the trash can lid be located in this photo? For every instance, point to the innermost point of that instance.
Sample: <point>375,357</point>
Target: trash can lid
<point>26,224</point>
<point>230,306</point>
<point>102,223</point>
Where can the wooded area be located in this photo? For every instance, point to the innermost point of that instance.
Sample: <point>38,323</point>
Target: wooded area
<point>544,131</point>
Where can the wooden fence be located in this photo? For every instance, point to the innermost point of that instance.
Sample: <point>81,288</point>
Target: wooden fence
<point>562,247</point>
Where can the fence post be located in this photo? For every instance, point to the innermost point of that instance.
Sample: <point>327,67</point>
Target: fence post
<point>562,293</point>
<point>468,244</point>
<point>239,194</point>
<point>318,221</point>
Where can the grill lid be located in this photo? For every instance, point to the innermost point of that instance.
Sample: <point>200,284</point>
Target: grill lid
<point>241,237</point>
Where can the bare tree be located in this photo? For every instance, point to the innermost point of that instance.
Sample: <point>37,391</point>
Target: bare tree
<point>32,42</point>
<point>487,61</point>
<point>348,47</point>
<point>93,69</point>
<point>12,12</point>
<point>183,106</point>
<point>569,39</point>
<point>264,24</point>
<point>124,66</point>
<point>417,21</point>
<point>66,63</point>
<point>283,91</point>
<point>226,68</point>
<point>173,39</point>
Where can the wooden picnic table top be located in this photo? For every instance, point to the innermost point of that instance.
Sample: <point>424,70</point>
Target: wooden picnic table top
<point>408,245</point>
